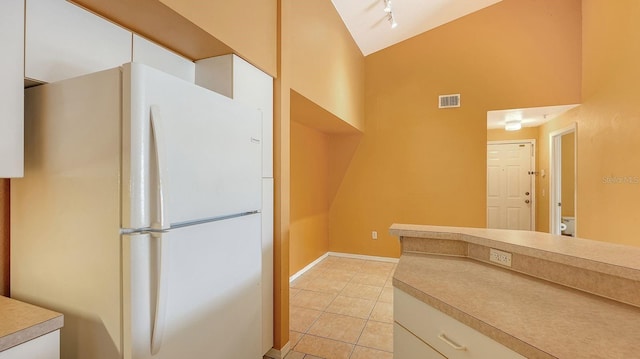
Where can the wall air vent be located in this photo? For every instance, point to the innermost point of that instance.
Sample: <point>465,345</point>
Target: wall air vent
<point>449,101</point>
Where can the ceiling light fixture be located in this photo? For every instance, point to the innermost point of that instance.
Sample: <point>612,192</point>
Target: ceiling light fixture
<point>389,11</point>
<point>392,20</point>
<point>387,5</point>
<point>513,125</point>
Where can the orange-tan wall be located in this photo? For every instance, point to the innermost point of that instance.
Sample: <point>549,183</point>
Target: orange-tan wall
<point>327,78</point>
<point>249,27</point>
<point>4,237</point>
<point>317,59</point>
<point>420,164</point>
<point>608,123</point>
<point>327,66</point>
<point>309,227</point>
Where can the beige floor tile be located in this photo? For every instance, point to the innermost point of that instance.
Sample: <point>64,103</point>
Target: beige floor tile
<point>327,263</point>
<point>350,264</point>
<point>324,348</point>
<point>389,283</point>
<point>300,282</point>
<point>293,292</point>
<point>323,285</point>
<point>386,296</point>
<point>377,335</point>
<point>361,291</point>
<point>314,273</point>
<point>339,275</point>
<point>368,353</point>
<point>355,307</point>
<point>294,338</point>
<point>294,355</point>
<point>370,279</point>
<point>382,312</point>
<point>312,300</point>
<point>302,318</point>
<point>376,267</point>
<point>339,327</point>
<point>308,356</point>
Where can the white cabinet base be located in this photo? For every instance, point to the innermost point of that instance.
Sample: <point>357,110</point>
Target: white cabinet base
<point>44,347</point>
<point>446,335</point>
<point>408,346</point>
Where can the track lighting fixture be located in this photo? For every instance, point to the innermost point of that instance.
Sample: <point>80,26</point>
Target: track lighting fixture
<point>392,20</point>
<point>387,5</point>
<point>389,11</point>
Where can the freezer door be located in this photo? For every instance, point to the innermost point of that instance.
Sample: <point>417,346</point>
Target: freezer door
<point>194,292</point>
<point>189,154</point>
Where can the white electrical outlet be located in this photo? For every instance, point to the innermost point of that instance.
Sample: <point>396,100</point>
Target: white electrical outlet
<point>500,257</point>
<point>374,235</point>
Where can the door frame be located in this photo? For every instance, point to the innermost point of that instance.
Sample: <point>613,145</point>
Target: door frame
<point>555,178</point>
<point>533,183</point>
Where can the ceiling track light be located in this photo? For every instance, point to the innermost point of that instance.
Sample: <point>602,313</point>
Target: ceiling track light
<point>387,5</point>
<point>389,11</point>
<point>392,20</point>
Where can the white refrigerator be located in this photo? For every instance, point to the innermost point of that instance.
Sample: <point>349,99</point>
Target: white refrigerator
<point>138,217</point>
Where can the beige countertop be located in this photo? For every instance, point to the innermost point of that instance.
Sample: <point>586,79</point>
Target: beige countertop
<point>537,307</point>
<point>21,322</point>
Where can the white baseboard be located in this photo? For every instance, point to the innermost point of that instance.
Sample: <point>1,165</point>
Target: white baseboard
<point>279,354</point>
<point>343,255</point>
<point>365,257</point>
<point>309,266</point>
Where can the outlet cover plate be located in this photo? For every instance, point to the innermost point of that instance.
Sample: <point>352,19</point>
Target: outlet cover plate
<point>500,257</point>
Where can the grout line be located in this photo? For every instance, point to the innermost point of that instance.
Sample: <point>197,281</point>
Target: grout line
<point>339,293</point>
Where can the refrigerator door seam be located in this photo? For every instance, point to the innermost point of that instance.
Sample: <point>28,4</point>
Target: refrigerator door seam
<point>184,224</point>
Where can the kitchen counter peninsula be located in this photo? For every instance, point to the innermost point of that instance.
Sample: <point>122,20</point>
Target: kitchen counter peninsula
<point>547,296</point>
<point>21,322</point>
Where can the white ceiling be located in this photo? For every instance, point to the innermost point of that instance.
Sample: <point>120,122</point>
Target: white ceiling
<point>531,117</point>
<point>367,22</point>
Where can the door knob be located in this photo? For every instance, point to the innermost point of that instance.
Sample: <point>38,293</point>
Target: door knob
<point>526,201</point>
<point>526,193</point>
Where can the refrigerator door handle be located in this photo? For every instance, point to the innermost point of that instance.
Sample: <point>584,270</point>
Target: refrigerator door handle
<point>162,271</point>
<point>160,222</point>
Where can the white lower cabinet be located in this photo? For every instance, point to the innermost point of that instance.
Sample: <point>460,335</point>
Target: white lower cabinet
<point>408,346</point>
<point>436,330</point>
<point>44,347</point>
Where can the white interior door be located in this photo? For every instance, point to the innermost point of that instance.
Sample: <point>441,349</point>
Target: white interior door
<point>509,186</point>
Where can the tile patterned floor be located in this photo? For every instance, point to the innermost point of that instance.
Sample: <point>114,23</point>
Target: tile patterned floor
<point>342,308</point>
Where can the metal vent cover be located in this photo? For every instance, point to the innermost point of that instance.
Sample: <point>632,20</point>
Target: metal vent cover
<point>449,101</point>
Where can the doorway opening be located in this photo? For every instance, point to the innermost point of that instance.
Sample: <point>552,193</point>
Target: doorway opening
<point>511,184</point>
<point>562,181</point>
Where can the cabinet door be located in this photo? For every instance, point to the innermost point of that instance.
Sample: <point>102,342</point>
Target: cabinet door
<point>11,88</point>
<point>448,336</point>
<point>43,347</point>
<point>63,40</point>
<point>233,77</point>
<point>408,346</point>
<point>255,88</point>
<point>149,53</point>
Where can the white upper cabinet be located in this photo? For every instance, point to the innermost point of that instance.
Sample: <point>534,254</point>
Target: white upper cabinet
<point>11,93</point>
<point>149,53</point>
<point>233,77</point>
<point>63,40</point>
